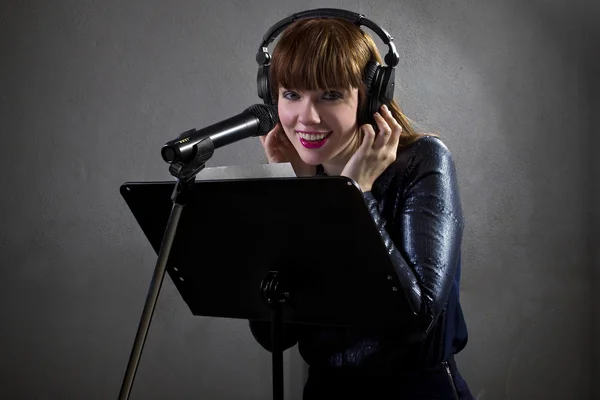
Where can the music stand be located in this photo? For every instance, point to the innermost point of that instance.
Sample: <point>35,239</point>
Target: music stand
<point>285,250</point>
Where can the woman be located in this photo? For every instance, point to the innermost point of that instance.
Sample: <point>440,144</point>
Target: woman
<point>409,184</point>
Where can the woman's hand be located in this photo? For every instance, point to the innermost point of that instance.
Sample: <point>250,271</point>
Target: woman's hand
<point>279,149</point>
<point>375,153</point>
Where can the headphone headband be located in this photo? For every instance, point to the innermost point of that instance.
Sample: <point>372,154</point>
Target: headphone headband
<point>378,80</point>
<point>391,58</point>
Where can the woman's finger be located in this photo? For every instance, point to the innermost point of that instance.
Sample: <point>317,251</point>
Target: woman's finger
<point>384,131</point>
<point>396,133</point>
<point>394,125</point>
<point>271,138</point>
<point>368,137</point>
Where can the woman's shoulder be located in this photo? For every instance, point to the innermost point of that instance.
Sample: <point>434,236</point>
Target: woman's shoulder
<point>427,150</point>
<point>425,154</point>
<point>425,144</point>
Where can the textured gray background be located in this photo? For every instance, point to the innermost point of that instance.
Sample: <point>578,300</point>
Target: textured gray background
<point>90,90</point>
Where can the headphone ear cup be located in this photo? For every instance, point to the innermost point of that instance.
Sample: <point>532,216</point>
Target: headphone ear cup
<point>370,80</point>
<point>262,83</point>
<point>386,87</point>
<point>369,74</point>
<point>382,89</point>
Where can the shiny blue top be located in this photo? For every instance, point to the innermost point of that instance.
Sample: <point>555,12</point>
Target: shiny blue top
<point>416,206</point>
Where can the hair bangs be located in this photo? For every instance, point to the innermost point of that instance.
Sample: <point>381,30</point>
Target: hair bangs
<point>335,63</point>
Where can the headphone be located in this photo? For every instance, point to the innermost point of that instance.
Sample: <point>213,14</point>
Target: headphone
<point>379,80</point>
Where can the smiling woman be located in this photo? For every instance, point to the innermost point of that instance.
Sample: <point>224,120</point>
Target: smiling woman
<point>321,124</point>
<point>338,117</point>
<point>338,77</point>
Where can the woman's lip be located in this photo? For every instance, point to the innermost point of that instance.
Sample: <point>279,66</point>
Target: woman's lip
<point>314,144</point>
<point>314,133</point>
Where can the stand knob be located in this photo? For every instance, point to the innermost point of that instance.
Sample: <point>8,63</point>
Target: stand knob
<point>272,291</point>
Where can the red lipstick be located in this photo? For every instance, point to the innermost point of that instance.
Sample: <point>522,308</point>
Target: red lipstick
<point>312,144</point>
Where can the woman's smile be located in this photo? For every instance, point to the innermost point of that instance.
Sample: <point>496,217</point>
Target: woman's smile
<point>313,140</point>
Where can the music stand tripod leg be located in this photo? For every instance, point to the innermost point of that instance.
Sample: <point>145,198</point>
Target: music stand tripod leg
<point>151,299</point>
<point>181,194</point>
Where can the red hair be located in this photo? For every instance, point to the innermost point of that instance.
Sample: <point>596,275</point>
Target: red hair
<point>324,54</point>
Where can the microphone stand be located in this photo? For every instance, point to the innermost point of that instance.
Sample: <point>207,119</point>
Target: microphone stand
<point>185,172</point>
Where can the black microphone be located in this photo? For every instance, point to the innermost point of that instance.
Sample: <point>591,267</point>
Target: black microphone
<point>256,120</point>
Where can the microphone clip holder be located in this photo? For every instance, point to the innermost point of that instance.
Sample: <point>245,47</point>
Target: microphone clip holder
<point>187,171</point>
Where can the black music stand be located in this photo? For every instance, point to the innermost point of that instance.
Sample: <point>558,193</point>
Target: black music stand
<point>285,250</point>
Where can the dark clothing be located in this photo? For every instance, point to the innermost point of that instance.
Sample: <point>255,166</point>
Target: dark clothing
<point>416,207</point>
<point>442,382</point>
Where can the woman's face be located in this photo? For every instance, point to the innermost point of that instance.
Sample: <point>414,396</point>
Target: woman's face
<point>322,125</point>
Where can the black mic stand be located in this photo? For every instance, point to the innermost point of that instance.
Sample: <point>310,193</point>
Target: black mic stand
<point>186,175</point>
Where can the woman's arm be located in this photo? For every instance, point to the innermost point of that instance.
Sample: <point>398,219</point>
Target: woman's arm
<point>424,236</point>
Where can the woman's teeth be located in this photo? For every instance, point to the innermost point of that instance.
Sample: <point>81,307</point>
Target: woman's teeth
<point>312,136</point>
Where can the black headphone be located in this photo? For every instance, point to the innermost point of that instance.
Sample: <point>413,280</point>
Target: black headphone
<point>379,80</point>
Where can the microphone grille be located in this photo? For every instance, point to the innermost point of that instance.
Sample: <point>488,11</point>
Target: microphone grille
<point>267,117</point>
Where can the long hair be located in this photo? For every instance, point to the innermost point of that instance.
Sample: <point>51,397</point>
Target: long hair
<point>327,53</point>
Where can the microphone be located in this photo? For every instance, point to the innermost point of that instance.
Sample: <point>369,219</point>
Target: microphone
<point>256,120</point>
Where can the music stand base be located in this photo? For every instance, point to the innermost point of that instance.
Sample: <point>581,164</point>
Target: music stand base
<point>275,297</point>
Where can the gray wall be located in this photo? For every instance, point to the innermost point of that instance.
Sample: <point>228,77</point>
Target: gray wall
<point>592,42</point>
<point>89,91</point>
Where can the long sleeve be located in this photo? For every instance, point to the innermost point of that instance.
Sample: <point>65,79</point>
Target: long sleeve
<point>423,230</point>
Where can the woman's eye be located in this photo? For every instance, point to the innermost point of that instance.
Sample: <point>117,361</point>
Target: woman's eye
<point>332,95</point>
<point>290,95</point>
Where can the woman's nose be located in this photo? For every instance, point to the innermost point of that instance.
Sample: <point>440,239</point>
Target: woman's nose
<point>308,114</point>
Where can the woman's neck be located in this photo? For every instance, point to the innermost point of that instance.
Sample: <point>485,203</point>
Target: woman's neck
<point>336,165</point>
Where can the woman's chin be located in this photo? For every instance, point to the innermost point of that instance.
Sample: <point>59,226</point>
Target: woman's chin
<point>312,159</point>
